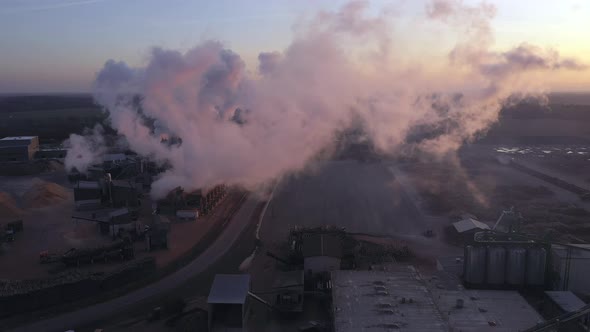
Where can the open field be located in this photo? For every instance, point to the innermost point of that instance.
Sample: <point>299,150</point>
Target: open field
<point>361,197</point>
<point>479,184</point>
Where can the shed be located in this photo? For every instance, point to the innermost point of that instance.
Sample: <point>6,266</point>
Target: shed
<point>228,301</point>
<point>18,148</point>
<point>557,303</point>
<point>571,267</point>
<point>469,224</point>
<point>321,253</point>
<point>463,230</point>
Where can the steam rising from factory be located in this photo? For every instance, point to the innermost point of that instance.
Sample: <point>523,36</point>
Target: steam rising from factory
<point>232,126</point>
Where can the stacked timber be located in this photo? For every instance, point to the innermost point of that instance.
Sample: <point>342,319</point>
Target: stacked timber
<point>212,198</point>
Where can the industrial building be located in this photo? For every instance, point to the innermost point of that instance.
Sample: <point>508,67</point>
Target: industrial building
<point>571,268</point>
<point>87,195</point>
<point>383,301</point>
<point>228,302</point>
<point>121,220</point>
<point>51,153</point>
<point>561,302</point>
<point>321,252</point>
<point>289,287</point>
<point>200,202</point>
<point>123,194</point>
<point>156,234</point>
<point>464,230</point>
<point>502,265</point>
<point>398,298</point>
<point>484,310</point>
<point>18,148</point>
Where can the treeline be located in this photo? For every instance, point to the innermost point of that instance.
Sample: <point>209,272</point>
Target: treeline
<point>35,103</point>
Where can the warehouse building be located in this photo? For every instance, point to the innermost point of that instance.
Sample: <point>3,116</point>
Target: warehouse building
<point>383,301</point>
<point>557,303</point>
<point>463,231</point>
<point>18,148</point>
<point>228,302</point>
<point>401,299</point>
<point>571,268</point>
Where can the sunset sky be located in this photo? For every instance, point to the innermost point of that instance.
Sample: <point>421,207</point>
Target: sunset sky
<point>59,45</point>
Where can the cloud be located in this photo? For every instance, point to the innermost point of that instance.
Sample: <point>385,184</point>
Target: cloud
<point>84,150</point>
<point>268,62</point>
<point>48,5</point>
<point>236,128</point>
<point>526,57</point>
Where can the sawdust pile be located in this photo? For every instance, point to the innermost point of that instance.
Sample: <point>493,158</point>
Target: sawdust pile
<point>43,193</point>
<point>8,207</point>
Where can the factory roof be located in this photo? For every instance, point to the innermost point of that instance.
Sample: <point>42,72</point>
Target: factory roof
<point>485,310</point>
<point>565,300</point>
<point>229,289</point>
<point>469,224</point>
<point>18,138</point>
<point>321,245</point>
<point>289,279</point>
<point>383,301</point>
<point>401,299</point>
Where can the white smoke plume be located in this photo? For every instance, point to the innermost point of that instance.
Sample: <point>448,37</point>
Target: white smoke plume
<point>84,150</point>
<point>238,128</point>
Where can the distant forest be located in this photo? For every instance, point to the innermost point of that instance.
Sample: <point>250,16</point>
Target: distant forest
<point>37,103</point>
<point>53,117</point>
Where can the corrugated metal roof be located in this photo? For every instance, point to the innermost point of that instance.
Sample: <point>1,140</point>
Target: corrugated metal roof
<point>469,224</point>
<point>380,301</point>
<point>229,289</point>
<point>566,300</point>
<point>485,310</point>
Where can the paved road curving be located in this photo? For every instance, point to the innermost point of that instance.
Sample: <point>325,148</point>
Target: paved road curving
<point>99,311</point>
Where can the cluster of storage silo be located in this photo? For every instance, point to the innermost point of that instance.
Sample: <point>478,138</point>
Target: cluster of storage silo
<point>505,265</point>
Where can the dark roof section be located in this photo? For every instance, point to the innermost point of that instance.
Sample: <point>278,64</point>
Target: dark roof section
<point>289,279</point>
<point>229,289</point>
<point>566,300</point>
<point>321,245</point>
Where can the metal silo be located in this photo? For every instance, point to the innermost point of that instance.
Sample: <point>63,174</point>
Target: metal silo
<point>496,265</point>
<point>516,266</point>
<point>475,265</point>
<point>535,267</point>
